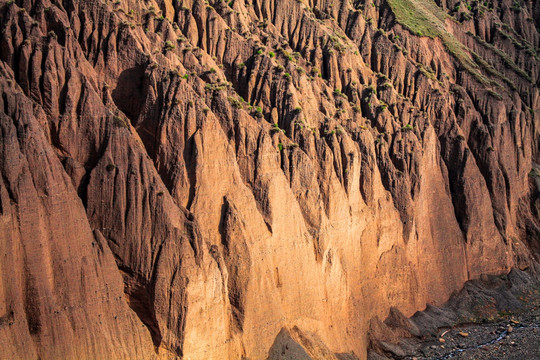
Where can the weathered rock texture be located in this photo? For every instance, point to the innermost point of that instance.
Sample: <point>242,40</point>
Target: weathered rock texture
<point>216,180</point>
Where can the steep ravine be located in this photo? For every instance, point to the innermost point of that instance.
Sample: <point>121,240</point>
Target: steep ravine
<point>212,180</point>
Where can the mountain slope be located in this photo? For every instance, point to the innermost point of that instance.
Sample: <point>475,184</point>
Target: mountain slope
<point>257,168</point>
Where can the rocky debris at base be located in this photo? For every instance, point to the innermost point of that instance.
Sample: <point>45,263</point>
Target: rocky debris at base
<point>487,341</point>
<point>508,327</point>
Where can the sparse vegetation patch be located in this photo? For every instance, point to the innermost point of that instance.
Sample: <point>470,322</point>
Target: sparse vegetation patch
<point>425,18</point>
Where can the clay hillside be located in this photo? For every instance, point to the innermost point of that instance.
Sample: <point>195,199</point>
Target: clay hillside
<point>257,179</point>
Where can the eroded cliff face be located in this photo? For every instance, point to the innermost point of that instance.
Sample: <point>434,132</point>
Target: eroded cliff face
<point>213,180</point>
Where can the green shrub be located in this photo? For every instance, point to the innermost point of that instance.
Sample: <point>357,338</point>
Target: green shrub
<point>169,46</point>
<point>276,128</point>
<point>120,122</point>
<point>407,127</point>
